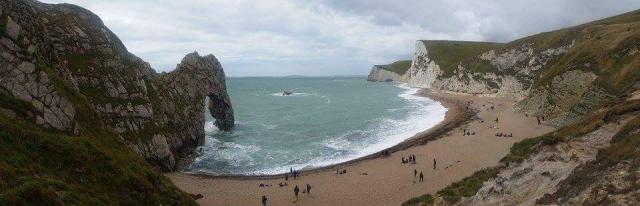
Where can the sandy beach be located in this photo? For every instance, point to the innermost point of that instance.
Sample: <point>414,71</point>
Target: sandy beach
<point>384,180</point>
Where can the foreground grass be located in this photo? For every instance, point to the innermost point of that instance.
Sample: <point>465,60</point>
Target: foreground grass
<point>39,167</point>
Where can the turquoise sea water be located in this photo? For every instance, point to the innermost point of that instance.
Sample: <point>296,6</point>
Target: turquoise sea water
<point>327,120</point>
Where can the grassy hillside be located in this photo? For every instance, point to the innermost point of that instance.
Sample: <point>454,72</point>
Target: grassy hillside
<point>606,47</point>
<point>448,54</point>
<point>45,167</point>
<point>398,67</point>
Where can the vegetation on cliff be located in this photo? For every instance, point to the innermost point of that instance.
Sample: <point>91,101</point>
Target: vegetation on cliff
<point>83,121</point>
<point>449,54</point>
<point>398,67</point>
<point>605,51</point>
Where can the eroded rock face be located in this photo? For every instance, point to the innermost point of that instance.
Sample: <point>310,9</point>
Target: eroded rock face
<point>380,74</point>
<point>527,182</point>
<point>516,71</point>
<point>71,73</point>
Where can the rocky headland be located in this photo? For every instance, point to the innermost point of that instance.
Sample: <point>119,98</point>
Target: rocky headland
<point>67,78</point>
<point>581,79</point>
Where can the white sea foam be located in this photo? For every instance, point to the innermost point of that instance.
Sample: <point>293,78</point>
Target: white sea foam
<point>388,132</point>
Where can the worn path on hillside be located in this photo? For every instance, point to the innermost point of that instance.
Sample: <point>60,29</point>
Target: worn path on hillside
<point>387,181</point>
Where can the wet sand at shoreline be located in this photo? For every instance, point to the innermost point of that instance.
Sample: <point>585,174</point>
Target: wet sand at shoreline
<point>376,180</point>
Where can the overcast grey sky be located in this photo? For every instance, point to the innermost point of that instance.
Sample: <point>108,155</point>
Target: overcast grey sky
<point>325,37</point>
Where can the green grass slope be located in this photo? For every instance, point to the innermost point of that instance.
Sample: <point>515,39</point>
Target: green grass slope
<point>399,67</point>
<point>449,54</point>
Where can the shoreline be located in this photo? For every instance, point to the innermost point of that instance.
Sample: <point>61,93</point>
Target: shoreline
<point>376,180</point>
<point>457,115</point>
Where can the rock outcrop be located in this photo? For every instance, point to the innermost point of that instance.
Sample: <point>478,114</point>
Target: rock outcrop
<point>65,63</point>
<point>380,73</point>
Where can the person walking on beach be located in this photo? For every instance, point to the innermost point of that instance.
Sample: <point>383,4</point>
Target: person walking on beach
<point>264,200</point>
<point>296,190</point>
<point>415,172</point>
<point>421,176</point>
<point>434,163</point>
<point>308,189</point>
<point>414,159</point>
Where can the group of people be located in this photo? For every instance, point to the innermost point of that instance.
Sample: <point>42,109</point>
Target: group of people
<point>501,134</point>
<point>468,133</point>
<point>294,173</point>
<point>296,190</point>
<point>411,159</point>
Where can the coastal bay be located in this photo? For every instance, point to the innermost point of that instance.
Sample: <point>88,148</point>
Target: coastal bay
<point>387,180</point>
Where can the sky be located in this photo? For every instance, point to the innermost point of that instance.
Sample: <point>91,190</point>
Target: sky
<point>325,37</point>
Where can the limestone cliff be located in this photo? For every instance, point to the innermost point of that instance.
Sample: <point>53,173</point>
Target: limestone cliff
<point>64,72</point>
<point>560,75</point>
<point>390,72</point>
<point>379,73</point>
<point>585,79</point>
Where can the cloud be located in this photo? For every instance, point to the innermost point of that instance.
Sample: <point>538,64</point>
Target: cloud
<point>324,37</point>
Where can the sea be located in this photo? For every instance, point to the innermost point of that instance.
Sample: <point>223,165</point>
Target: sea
<point>325,121</point>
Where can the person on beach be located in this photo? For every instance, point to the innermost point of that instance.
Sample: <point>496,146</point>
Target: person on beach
<point>414,159</point>
<point>296,190</point>
<point>403,161</point>
<point>286,177</point>
<point>308,189</point>
<point>538,120</point>
<point>421,176</point>
<point>291,170</point>
<point>434,163</point>
<point>415,172</point>
<point>496,120</point>
<point>264,200</point>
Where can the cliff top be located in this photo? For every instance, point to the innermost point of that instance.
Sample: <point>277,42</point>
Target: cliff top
<point>398,67</point>
<point>449,54</point>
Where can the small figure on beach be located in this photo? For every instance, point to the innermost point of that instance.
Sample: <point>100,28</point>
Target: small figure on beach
<point>286,177</point>
<point>496,120</point>
<point>264,200</point>
<point>308,189</point>
<point>415,172</point>
<point>434,163</point>
<point>403,160</point>
<point>296,190</point>
<point>538,120</point>
<point>421,176</point>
